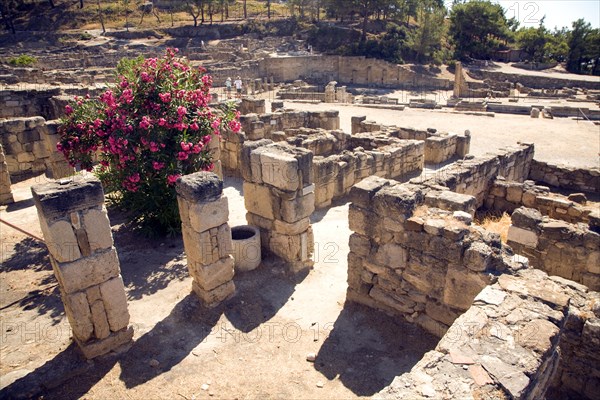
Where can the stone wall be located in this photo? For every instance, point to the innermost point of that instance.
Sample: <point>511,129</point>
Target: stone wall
<point>507,196</point>
<point>439,146</point>
<point>527,336</point>
<point>414,252</point>
<point>348,71</point>
<point>562,176</point>
<point>271,126</point>
<point>6,196</point>
<point>30,146</point>
<point>557,247</point>
<point>279,195</point>
<point>475,176</point>
<point>366,154</point>
<point>27,103</point>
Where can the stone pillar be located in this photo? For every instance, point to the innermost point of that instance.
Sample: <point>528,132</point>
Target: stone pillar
<point>460,84</point>
<point>204,213</point>
<point>340,94</point>
<point>78,236</point>
<point>463,144</point>
<point>280,197</point>
<point>330,92</point>
<point>357,123</point>
<point>272,83</point>
<point>6,196</point>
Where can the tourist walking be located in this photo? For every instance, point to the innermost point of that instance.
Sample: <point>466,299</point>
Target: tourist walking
<point>228,87</point>
<point>238,87</point>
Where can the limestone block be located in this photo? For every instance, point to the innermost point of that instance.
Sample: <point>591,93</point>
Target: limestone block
<point>94,349</point>
<point>101,328</point>
<point>522,236</point>
<point>279,169</point>
<point>478,257</point>
<point>299,208</point>
<point>391,255</point>
<point>184,210</point>
<point>462,286</point>
<point>211,298</point>
<point>247,163</point>
<point>25,157</point>
<point>224,240</point>
<point>291,229</point>
<point>79,315</point>
<point>97,227</point>
<point>55,200</point>
<point>200,187</point>
<point>259,200</point>
<point>206,215</point>
<point>526,218</point>
<point>292,248</point>
<point>199,247</point>
<point>211,276</point>
<point>89,271</point>
<point>60,239</point>
<point>364,222</point>
<point>514,193</point>
<point>115,303</point>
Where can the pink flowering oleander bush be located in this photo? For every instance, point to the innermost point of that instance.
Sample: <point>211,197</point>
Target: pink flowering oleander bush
<point>143,133</point>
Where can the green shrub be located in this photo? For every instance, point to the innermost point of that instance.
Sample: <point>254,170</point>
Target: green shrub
<point>23,60</point>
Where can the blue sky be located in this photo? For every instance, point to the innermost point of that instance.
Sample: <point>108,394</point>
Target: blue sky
<point>558,13</point>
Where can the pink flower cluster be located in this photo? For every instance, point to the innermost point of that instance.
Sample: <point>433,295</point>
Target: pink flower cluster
<point>155,124</point>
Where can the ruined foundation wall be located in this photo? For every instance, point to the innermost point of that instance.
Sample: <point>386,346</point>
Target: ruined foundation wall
<point>348,70</point>
<point>270,126</point>
<point>30,147</point>
<point>414,252</point>
<point>475,176</point>
<point>439,146</point>
<point>526,336</point>
<point>557,247</point>
<point>507,196</point>
<point>336,174</point>
<point>27,103</point>
<point>561,176</point>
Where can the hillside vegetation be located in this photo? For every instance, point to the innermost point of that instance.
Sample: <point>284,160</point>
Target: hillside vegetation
<point>418,31</point>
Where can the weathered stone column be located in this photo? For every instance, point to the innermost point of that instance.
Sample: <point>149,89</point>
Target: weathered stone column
<point>460,85</point>
<point>56,165</point>
<point>204,213</point>
<point>6,196</point>
<point>330,92</point>
<point>280,197</point>
<point>78,236</point>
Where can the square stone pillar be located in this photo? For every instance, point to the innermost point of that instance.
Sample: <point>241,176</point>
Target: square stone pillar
<point>204,213</point>
<point>280,197</point>
<point>77,233</point>
<point>6,196</point>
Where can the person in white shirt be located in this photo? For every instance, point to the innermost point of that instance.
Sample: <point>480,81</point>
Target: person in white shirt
<point>238,86</point>
<point>228,87</point>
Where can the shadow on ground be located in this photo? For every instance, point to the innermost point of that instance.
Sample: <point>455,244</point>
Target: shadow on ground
<point>367,349</point>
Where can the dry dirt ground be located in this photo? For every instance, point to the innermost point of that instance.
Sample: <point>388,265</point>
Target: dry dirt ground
<point>255,345</point>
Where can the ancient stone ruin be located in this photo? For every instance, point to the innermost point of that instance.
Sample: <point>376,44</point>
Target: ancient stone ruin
<point>518,318</point>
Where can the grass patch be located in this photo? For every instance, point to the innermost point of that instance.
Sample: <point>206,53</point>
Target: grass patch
<point>23,60</point>
<point>495,223</point>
